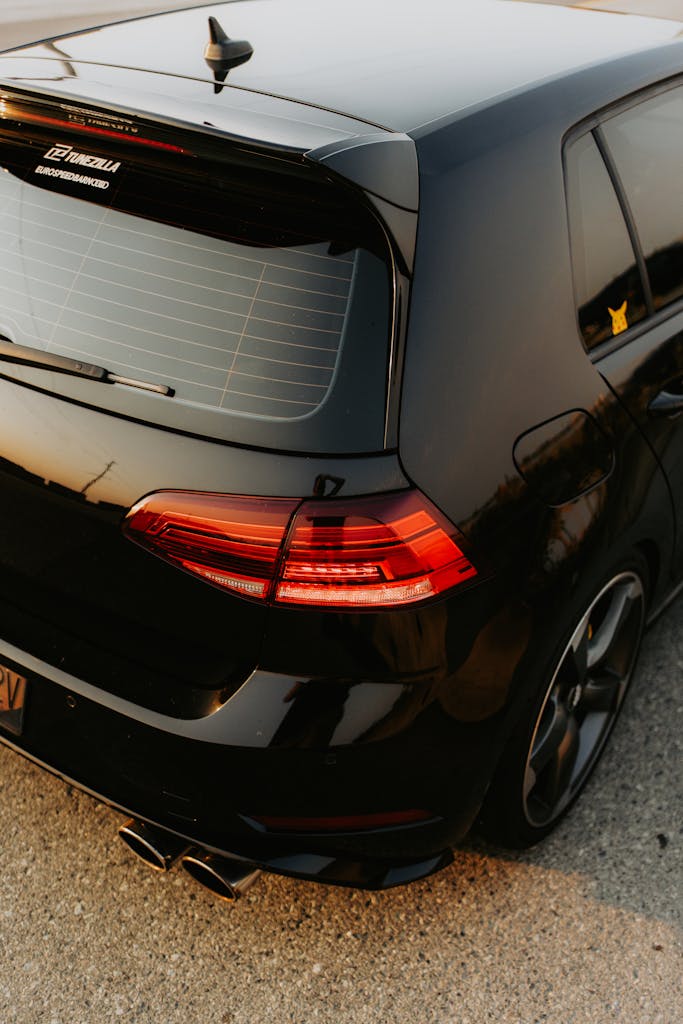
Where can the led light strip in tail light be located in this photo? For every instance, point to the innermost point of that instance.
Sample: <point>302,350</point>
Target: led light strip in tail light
<point>12,111</point>
<point>377,552</point>
<point>230,541</point>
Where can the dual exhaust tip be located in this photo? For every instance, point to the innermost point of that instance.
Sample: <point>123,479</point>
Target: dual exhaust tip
<point>223,876</point>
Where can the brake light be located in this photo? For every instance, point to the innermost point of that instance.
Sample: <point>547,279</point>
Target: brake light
<point>7,111</point>
<point>386,550</point>
<point>376,552</point>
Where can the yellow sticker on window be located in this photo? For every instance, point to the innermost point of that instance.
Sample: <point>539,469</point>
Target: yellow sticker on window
<point>619,321</point>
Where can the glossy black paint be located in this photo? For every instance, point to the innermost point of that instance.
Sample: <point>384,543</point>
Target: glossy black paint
<point>639,372</point>
<point>564,458</point>
<point>195,710</point>
<point>388,64</point>
<point>114,615</point>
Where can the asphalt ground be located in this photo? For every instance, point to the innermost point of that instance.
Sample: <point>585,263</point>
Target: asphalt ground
<point>587,928</point>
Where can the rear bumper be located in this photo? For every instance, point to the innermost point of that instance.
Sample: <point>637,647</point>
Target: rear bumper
<point>204,778</point>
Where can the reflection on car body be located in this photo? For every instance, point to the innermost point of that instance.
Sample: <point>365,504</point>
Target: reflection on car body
<point>353,544</point>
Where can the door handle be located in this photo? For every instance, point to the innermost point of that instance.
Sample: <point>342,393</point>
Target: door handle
<point>666,403</point>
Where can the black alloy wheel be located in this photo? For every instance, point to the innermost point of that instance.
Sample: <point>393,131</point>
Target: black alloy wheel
<point>545,767</point>
<point>583,698</point>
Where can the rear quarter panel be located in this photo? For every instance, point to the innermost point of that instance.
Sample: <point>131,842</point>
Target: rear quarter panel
<point>493,350</point>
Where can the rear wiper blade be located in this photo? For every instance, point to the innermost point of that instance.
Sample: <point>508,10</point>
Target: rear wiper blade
<point>27,356</point>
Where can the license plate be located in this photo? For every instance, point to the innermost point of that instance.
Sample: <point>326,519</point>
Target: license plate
<point>12,699</point>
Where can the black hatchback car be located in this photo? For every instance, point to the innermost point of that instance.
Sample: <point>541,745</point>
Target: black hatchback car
<point>341,380</point>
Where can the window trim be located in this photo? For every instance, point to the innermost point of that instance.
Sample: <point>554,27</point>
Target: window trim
<point>627,213</point>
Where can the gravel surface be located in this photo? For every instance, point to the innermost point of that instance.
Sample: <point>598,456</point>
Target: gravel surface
<point>585,929</point>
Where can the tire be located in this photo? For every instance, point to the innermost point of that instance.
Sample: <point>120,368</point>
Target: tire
<point>556,746</point>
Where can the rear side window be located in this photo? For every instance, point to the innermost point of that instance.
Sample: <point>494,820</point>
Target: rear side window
<point>607,283</point>
<point>646,143</point>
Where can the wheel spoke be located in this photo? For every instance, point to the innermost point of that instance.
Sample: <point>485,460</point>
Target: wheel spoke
<point>578,653</point>
<point>619,607</point>
<point>600,693</point>
<point>582,699</point>
<point>558,774</point>
<point>548,742</point>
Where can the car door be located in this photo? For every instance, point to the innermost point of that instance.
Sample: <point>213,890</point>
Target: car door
<point>625,195</point>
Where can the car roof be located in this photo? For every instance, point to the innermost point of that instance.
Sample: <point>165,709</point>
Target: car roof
<point>396,64</point>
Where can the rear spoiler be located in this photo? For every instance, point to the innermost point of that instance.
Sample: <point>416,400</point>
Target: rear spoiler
<point>382,163</point>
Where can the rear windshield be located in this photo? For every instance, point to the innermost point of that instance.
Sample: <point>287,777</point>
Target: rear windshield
<point>239,286</point>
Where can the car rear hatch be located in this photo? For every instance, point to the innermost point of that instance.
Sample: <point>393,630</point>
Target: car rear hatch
<point>247,296</point>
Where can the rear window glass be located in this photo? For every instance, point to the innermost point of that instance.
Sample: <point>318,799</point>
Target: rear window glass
<point>235,286</point>
<point>607,283</point>
<point>646,143</point>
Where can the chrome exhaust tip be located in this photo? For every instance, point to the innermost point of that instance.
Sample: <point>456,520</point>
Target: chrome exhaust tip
<point>228,879</point>
<point>156,847</point>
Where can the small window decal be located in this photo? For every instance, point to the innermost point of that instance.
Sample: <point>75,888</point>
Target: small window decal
<point>619,321</point>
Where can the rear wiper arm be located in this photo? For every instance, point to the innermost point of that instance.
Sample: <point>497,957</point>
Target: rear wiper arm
<point>27,356</point>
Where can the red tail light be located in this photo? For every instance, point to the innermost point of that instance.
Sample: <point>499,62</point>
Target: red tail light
<point>232,542</point>
<point>381,551</point>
